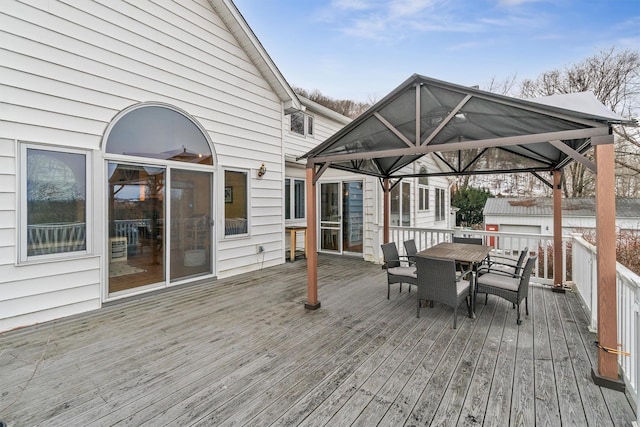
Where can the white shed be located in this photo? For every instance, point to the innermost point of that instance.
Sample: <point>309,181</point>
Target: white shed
<point>535,215</point>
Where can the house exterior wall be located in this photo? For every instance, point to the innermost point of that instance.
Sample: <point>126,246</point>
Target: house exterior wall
<point>68,69</point>
<point>327,123</point>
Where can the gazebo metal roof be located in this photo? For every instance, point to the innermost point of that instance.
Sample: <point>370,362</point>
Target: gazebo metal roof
<point>476,132</point>
<point>470,130</point>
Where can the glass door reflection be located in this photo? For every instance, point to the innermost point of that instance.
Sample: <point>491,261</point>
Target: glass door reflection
<point>190,224</point>
<point>330,217</point>
<point>136,226</point>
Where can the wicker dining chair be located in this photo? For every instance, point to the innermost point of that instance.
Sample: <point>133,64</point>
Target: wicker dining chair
<point>438,282</point>
<point>398,268</point>
<point>411,249</point>
<point>513,288</point>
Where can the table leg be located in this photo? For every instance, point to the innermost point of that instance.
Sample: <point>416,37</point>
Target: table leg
<point>293,245</point>
<point>472,291</point>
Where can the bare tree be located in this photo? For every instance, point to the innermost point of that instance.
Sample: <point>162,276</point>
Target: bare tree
<point>614,77</point>
<point>346,107</point>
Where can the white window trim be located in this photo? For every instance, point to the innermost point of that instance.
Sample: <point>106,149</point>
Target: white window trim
<point>305,122</point>
<point>23,258</point>
<point>443,204</point>
<point>224,216</point>
<point>424,188</point>
<point>292,193</point>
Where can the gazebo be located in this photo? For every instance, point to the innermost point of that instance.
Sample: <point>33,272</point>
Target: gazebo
<point>477,132</point>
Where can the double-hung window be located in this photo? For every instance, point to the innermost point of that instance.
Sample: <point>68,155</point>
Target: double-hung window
<point>294,200</point>
<point>236,202</point>
<point>440,204</point>
<point>401,205</point>
<point>302,123</point>
<point>423,191</point>
<point>54,202</point>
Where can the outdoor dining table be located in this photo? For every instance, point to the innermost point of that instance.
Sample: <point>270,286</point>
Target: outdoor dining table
<point>462,252</point>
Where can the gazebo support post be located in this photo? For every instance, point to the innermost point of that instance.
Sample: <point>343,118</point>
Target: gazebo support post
<point>607,373</point>
<point>387,211</point>
<point>311,249</point>
<point>558,256</point>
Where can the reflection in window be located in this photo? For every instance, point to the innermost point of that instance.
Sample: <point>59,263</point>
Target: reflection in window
<point>56,202</point>
<point>294,198</point>
<point>400,205</point>
<point>440,204</point>
<point>235,203</point>
<point>301,123</point>
<point>297,123</point>
<point>160,133</point>
<point>423,190</point>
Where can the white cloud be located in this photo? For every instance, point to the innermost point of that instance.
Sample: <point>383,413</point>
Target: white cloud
<point>352,4</point>
<point>400,8</point>
<point>510,3</point>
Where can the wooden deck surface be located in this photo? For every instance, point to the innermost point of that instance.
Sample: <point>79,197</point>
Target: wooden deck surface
<point>243,350</point>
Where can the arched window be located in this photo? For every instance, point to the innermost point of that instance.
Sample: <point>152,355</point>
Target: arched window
<point>159,132</point>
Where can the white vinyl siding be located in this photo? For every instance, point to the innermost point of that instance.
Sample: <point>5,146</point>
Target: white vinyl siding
<point>68,68</point>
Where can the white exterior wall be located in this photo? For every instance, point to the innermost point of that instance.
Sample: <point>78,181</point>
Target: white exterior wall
<point>69,67</point>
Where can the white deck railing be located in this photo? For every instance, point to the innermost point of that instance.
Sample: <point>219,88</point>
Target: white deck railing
<point>628,309</point>
<point>504,244</point>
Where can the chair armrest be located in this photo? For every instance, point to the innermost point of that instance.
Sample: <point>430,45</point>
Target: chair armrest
<point>463,274</point>
<point>502,273</point>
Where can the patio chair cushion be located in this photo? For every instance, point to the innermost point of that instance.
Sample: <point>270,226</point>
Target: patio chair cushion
<point>403,271</point>
<point>462,286</point>
<point>500,281</point>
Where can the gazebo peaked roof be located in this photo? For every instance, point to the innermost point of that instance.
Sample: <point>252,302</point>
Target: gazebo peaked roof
<point>470,130</point>
<point>476,132</point>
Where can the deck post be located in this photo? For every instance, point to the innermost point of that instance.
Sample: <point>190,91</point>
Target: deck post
<point>312,246</point>
<point>387,210</point>
<point>558,256</point>
<point>607,374</point>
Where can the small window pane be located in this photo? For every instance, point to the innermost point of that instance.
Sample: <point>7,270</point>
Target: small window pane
<point>309,125</point>
<point>235,203</point>
<point>423,180</point>
<point>297,123</point>
<point>299,199</point>
<point>287,198</point>
<point>56,202</point>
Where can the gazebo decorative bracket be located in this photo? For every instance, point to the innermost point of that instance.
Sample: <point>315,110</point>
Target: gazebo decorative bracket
<point>574,155</point>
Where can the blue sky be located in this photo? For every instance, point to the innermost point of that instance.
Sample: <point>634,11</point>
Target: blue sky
<point>363,49</point>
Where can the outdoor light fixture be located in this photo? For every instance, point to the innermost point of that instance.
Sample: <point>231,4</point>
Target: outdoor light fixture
<point>262,170</point>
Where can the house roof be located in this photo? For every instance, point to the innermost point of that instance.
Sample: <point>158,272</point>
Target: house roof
<point>321,109</point>
<point>470,130</point>
<point>247,39</point>
<point>543,206</point>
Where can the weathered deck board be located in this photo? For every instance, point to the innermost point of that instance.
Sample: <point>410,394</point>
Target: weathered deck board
<point>244,351</point>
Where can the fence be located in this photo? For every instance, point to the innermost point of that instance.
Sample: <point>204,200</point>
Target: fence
<point>628,309</point>
<point>504,244</point>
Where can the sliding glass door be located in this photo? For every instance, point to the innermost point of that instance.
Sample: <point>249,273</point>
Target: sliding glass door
<point>138,213</point>
<point>136,226</point>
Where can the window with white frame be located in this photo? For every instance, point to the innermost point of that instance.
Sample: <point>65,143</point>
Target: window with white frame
<point>236,202</point>
<point>294,200</point>
<point>401,205</point>
<point>54,201</point>
<point>423,190</point>
<point>440,204</point>
<point>302,123</point>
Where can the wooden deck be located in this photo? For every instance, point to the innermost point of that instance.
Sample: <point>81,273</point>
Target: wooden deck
<point>244,351</point>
